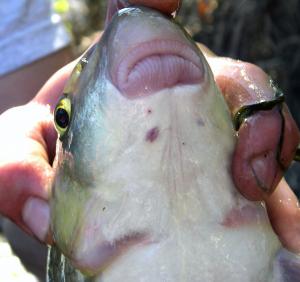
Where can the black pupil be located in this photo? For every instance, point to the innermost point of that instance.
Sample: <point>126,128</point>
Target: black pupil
<point>62,118</point>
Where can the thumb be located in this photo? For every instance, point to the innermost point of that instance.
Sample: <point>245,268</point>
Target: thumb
<point>25,172</point>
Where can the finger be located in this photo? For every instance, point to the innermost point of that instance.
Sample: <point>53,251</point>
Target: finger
<point>255,167</point>
<point>53,88</point>
<point>25,164</point>
<point>25,172</point>
<point>167,7</point>
<point>241,83</point>
<point>268,139</point>
<point>284,213</point>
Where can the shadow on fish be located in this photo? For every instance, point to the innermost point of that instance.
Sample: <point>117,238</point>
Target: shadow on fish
<point>143,188</point>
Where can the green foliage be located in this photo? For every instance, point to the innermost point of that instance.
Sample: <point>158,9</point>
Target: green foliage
<point>61,6</point>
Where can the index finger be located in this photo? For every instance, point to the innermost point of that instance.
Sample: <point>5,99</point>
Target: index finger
<point>166,6</point>
<point>53,88</point>
<point>284,213</point>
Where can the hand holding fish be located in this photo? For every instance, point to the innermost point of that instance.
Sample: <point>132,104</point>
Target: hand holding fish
<point>29,142</point>
<point>267,143</point>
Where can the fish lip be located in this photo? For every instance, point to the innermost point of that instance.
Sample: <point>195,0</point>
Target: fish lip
<point>106,252</point>
<point>155,47</point>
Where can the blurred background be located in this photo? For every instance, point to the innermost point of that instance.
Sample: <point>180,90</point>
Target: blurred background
<point>264,32</point>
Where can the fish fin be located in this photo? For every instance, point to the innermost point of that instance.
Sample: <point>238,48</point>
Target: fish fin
<point>286,267</point>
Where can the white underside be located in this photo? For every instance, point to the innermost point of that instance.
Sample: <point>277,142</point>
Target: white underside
<point>175,191</point>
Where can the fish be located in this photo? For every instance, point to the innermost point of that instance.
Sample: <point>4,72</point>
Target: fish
<point>143,188</point>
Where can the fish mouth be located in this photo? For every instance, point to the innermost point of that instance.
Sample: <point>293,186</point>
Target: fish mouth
<point>151,53</point>
<point>156,65</point>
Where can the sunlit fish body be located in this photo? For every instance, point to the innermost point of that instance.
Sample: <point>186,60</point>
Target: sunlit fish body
<point>143,189</point>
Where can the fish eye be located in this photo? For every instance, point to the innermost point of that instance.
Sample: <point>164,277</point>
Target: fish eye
<point>62,115</point>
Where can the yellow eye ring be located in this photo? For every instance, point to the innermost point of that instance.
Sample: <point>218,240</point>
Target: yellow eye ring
<point>62,115</point>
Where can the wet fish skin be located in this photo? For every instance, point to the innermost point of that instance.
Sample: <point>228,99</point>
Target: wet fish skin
<point>202,212</point>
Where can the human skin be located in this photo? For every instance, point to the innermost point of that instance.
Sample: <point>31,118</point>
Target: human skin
<point>30,79</point>
<point>29,141</point>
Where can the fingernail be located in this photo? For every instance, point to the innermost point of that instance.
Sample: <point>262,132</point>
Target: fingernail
<point>264,170</point>
<point>36,215</point>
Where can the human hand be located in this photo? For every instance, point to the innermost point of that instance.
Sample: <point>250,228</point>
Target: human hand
<point>167,6</point>
<point>28,147</point>
<point>269,138</point>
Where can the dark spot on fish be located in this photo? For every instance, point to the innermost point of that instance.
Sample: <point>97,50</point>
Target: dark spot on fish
<point>200,122</point>
<point>183,143</point>
<point>104,208</point>
<point>149,111</point>
<point>152,134</point>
